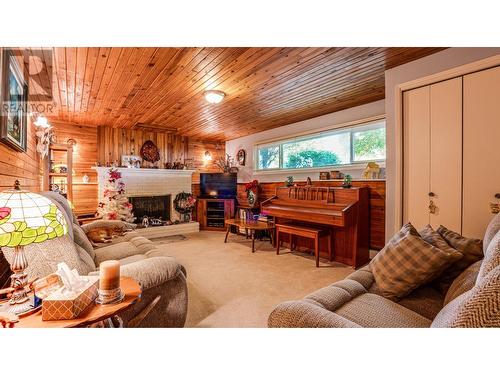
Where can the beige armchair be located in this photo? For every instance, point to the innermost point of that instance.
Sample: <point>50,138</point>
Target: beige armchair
<point>156,272</point>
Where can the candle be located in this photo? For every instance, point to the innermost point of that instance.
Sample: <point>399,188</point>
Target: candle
<point>109,275</point>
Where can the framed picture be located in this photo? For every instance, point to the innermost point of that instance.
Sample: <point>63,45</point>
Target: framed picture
<point>14,102</point>
<point>131,161</point>
<point>241,157</point>
<point>324,175</point>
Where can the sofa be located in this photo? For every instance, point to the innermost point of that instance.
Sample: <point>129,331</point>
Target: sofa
<point>157,273</point>
<point>472,300</point>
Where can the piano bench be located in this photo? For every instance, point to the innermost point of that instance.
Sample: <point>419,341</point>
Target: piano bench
<point>306,232</point>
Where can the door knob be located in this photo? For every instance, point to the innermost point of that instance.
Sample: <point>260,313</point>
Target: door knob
<point>431,194</point>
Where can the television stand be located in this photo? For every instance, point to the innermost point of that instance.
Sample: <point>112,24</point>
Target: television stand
<point>212,212</point>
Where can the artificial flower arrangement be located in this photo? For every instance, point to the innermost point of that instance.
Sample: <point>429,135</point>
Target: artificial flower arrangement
<point>252,186</point>
<point>252,189</point>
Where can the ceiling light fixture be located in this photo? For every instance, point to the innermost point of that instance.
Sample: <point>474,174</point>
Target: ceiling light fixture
<point>214,96</point>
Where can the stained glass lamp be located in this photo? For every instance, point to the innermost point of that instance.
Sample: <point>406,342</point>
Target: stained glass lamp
<point>26,218</point>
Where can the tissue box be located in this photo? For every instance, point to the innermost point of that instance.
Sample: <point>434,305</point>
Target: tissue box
<point>59,306</point>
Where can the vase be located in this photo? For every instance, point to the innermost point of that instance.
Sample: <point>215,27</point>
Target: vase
<point>252,198</point>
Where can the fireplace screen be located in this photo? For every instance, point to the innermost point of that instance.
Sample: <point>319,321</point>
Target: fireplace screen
<point>157,207</point>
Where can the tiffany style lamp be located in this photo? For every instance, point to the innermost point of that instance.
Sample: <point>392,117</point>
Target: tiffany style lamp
<point>26,218</point>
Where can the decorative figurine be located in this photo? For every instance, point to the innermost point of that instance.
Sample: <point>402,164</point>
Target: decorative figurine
<point>372,170</point>
<point>145,222</point>
<point>289,181</point>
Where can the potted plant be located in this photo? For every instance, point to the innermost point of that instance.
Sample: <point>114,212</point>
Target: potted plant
<point>347,181</point>
<point>252,189</point>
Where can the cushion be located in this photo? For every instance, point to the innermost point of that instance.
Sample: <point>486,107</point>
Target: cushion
<point>463,283</point>
<point>137,245</point>
<point>406,262</point>
<point>491,257</point>
<point>491,230</point>
<point>472,250</point>
<point>335,295</point>
<point>371,310</point>
<point>132,259</point>
<point>43,257</point>
<point>479,307</point>
<point>87,261</point>
<point>434,238</point>
<point>364,276</point>
<point>425,300</point>
<point>82,240</point>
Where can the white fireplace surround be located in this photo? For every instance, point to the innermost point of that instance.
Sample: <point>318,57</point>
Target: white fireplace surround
<point>150,182</point>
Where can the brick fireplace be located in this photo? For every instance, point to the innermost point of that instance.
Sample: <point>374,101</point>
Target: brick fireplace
<point>149,182</point>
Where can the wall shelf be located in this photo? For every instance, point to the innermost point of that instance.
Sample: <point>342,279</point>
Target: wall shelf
<point>64,180</point>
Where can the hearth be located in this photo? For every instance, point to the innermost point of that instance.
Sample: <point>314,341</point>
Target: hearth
<point>155,207</point>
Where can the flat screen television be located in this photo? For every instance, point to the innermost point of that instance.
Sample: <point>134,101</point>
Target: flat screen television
<point>218,185</point>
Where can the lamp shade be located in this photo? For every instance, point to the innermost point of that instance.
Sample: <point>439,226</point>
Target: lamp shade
<point>28,217</point>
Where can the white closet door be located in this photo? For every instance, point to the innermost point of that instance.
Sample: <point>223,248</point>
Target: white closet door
<point>481,156</point>
<point>446,154</point>
<point>416,155</point>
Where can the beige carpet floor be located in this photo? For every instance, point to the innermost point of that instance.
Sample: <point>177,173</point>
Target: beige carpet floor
<point>229,286</point>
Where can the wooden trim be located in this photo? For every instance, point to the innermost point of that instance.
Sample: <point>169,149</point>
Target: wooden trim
<point>455,72</point>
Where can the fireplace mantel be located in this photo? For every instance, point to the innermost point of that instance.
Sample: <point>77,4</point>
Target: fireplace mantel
<point>156,171</point>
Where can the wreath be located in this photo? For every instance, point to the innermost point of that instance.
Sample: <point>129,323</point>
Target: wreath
<point>184,202</point>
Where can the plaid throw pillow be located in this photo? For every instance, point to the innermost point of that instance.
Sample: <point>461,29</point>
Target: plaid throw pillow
<point>407,262</point>
<point>472,250</point>
<point>429,235</point>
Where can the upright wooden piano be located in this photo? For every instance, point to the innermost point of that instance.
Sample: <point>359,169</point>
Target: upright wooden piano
<point>344,212</point>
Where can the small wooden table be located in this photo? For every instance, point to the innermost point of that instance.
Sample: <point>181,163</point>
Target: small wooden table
<point>93,314</point>
<point>252,226</point>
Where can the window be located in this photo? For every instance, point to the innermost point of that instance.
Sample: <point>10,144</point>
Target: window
<point>344,146</point>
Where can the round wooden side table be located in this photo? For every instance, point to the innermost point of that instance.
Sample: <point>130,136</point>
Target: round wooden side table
<point>95,313</point>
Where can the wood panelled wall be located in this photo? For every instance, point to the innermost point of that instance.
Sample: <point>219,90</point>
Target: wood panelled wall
<point>84,158</point>
<point>22,166</point>
<point>105,144</point>
<point>114,142</point>
<point>377,203</point>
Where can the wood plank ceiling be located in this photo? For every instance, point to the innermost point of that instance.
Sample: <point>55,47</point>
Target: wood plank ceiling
<point>265,88</point>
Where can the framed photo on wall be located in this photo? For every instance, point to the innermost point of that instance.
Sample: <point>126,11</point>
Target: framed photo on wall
<point>13,101</point>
